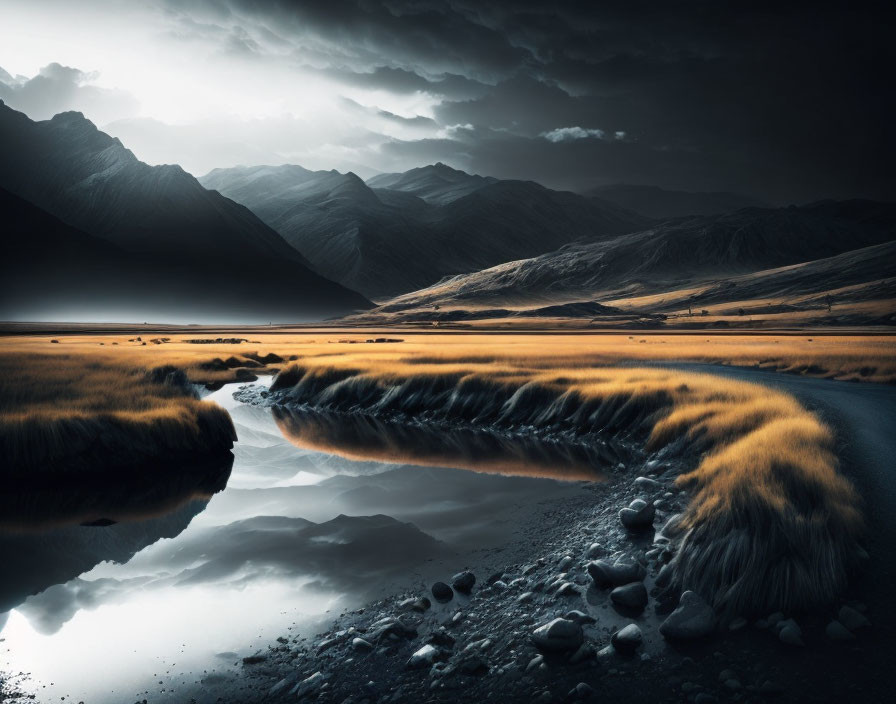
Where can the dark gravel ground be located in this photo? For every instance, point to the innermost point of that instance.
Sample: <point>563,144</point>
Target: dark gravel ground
<point>482,645</point>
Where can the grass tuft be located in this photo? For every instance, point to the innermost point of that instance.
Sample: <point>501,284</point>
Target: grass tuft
<point>75,414</point>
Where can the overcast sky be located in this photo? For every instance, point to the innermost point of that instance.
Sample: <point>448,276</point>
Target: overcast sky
<point>785,101</point>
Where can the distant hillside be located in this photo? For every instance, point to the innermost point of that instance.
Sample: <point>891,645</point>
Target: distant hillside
<point>659,203</point>
<point>436,222</point>
<point>198,241</point>
<point>438,184</point>
<point>746,255</point>
<point>344,229</point>
<point>53,271</point>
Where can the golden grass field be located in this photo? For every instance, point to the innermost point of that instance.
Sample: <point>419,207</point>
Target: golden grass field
<point>767,498</point>
<point>849,357</point>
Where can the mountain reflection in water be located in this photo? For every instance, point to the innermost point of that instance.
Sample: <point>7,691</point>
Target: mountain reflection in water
<point>191,565</point>
<point>365,437</point>
<point>55,530</point>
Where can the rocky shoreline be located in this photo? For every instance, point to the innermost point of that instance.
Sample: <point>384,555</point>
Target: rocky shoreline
<point>586,616</point>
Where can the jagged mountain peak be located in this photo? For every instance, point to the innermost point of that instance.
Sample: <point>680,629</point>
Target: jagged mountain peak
<point>397,232</point>
<point>71,117</point>
<point>437,183</point>
<point>202,242</point>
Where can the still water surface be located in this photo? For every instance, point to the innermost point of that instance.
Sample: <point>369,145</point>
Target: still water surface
<point>173,582</point>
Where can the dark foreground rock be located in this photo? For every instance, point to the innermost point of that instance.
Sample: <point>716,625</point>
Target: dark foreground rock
<point>463,582</point>
<point>631,596</point>
<point>628,639</point>
<point>442,592</point>
<point>558,635</point>
<point>693,618</point>
<point>613,574</point>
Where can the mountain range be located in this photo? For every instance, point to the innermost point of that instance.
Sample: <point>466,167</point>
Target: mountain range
<point>401,232</point>
<point>844,250</point>
<point>198,252</point>
<point>92,233</point>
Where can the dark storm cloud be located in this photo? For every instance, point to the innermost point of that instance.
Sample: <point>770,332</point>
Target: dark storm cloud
<point>416,121</point>
<point>399,80</point>
<point>784,100</point>
<point>522,105</point>
<point>566,163</point>
<point>438,39</point>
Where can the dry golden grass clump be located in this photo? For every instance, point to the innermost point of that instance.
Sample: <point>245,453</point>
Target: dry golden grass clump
<point>771,523</point>
<point>67,413</point>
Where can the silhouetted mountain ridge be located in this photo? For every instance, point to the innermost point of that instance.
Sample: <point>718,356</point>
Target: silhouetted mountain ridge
<point>438,183</point>
<point>680,253</point>
<point>436,222</point>
<point>202,245</point>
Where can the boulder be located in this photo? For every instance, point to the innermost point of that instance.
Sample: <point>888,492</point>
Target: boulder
<point>578,617</point>
<point>426,655</point>
<point>442,593</point>
<point>628,639</point>
<point>638,516</point>
<point>837,631</point>
<point>630,596</point>
<point>419,604</point>
<point>581,691</point>
<point>693,618</point>
<point>361,644</point>
<point>790,633</point>
<point>615,574</point>
<point>567,589</point>
<point>463,582</point>
<point>308,685</point>
<point>391,627</point>
<point>558,635</point>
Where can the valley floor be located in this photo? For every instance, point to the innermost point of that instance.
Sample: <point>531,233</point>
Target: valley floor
<point>487,652</point>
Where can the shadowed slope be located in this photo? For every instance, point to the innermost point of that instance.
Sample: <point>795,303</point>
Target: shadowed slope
<point>437,184</point>
<point>52,271</point>
<point>790,266</point>
<point>676,253</point>
<point>436,222</point>
<point>195,241</point>
<point>661,203</point>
